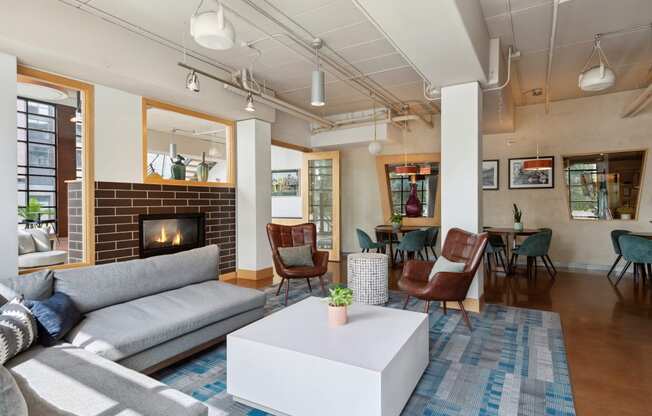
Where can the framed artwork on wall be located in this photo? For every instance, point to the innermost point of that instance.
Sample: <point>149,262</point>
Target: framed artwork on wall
<point>490,175</point>
<point>285,182</point>
<point>520,178</point>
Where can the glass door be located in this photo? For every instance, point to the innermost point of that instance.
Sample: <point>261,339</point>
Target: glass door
<point>321,198</point>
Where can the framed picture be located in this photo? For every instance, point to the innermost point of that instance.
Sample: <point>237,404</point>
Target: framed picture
<point>285,182</point>
<point>490,175</point>
<point>520,178</point>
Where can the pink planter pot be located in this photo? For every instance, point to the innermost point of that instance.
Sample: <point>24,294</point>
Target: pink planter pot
<point>337,315</point>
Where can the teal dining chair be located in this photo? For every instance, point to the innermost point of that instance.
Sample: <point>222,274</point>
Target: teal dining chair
<point>431,241</point>
<point>411,245</point>
<point>615,236</point>
<point>366,243</point>
<point>635,250</point>
<point>497,249</point>
<point>534,247</point>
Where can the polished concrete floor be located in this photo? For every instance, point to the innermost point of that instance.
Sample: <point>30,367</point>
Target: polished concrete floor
<point>607,330</point>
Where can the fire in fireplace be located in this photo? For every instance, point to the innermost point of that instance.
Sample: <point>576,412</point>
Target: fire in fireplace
<point>170,233</point>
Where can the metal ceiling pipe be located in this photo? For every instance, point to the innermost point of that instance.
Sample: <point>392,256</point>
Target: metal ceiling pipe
<point>551,51</point>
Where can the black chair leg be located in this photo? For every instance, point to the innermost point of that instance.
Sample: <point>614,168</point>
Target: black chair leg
<point>407,298</point>
<point>545,263</point>
<point>613,266</point>
<point>309,287</point>
<point>512,263</point>
<point>502,261</point>
<point>622,273</point>
<point>434,253</point>
<point>554,269</point>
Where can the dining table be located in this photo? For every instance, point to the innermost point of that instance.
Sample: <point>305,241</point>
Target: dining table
<point>386,233</point>
<point>510,234</point>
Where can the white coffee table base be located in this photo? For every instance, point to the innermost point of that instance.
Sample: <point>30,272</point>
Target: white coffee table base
<point>332,373</point>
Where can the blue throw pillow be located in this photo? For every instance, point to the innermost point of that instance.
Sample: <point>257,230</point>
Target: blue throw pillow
<point>55,316</point>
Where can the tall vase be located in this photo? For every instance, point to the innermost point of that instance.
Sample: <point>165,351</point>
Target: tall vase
<point>202,169</point>
<point>413,205</point>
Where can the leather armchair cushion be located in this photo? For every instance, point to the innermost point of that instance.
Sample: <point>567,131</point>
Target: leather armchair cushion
<point>298,256</point>
<point>444,265</point>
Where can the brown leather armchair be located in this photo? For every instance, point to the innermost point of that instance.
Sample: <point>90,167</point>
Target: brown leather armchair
<point>460,246</point>
<point>292,236</point>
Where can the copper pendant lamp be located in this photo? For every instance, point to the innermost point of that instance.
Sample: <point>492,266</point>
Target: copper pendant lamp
<point>537,164</point>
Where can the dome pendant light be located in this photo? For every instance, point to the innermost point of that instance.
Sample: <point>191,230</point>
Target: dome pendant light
<point>317,90</point>
<point>375,147</point>
<point>599,77</point>
<point>211,29</point>
<point>250,103</point>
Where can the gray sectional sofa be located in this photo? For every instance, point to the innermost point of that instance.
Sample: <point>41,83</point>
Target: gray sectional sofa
<point>139,315</point>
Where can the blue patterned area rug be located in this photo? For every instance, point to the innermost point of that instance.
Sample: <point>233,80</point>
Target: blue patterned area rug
<point>513,363</point>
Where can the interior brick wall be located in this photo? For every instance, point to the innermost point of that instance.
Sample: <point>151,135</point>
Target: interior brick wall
<point>117,206</point>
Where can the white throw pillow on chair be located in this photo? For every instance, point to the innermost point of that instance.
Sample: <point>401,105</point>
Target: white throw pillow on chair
<point>444,265</point>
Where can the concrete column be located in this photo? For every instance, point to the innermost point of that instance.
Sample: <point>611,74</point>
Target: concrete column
<point>461,161</point>
<point>8,145</point>
<point>253,199</point>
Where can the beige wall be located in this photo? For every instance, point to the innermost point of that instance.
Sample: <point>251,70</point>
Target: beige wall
<point>360,198</point>
<point>585,125</point>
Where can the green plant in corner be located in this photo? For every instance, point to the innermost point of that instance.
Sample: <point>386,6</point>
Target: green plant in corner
<point>340,296</point>
<point>31,211</point>
<point>517,214</point>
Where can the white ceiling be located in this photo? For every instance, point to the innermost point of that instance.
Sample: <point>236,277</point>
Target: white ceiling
<point>579,20</point>
<point>169,121</point>
<point>338,22</point>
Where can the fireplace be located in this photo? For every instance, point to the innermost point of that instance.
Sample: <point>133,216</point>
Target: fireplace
<point>170,233</point>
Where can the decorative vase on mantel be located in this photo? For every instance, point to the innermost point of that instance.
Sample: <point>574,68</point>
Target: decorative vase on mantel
<point>202,169</point>
<point>413,205</point>
<point>178,166</point>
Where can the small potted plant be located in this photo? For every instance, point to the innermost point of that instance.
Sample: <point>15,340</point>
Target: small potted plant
<point>338,300</point>
<point>396,220</point>
<point>518,214</point>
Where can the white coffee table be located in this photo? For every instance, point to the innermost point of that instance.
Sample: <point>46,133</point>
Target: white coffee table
<point>292,363</point>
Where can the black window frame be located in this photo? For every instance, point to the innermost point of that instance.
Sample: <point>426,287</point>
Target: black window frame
<point>27,167</point>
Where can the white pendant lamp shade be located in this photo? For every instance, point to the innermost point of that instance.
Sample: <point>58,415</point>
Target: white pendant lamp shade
<point>375,147</point>
<point>211,29</point>
<point>317,95</point>
<point>598,78</point>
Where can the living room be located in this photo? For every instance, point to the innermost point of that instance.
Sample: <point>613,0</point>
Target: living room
<point>216,196</point>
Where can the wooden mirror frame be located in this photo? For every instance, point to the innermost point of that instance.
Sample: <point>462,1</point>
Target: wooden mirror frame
<point>383,183</point>
<point>148,103</point>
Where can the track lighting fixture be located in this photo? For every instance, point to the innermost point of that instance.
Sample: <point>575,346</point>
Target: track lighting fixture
<point>192,81</point>
<point>210,28</point>
<point>317,93</point>
<point>250,103</point>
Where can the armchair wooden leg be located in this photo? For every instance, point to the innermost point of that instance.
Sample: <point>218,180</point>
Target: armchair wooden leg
<point>321,282</point>
<point>444,305</point>
<point>287,292</point>
<point>280,286</point>
<point>466,316</point>
<point>407,298</point>
<point>309,287</point>
<point>427,308</point>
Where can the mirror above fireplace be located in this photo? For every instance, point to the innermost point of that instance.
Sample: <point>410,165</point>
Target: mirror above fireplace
<point>170,233</point>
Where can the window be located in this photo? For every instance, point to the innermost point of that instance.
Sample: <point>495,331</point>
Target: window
<point>36,167</point>
<point>400,187</point>
<point>604,186</point>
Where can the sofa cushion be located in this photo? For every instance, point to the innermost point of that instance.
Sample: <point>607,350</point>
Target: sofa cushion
<point>41,239</point>
<point>12,402</point>
<point>17,329</point>
<point>96,287</point>
<point>64,380</point>
<point>42,259</point>
<point>37,285</point>
<point>25,242</point>
<point>55,317</point>
<point>119,331</point>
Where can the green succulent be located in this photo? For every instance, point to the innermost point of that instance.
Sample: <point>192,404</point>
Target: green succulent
<point>517,214</point>
<point>340,296</point>
<point>396,218</point>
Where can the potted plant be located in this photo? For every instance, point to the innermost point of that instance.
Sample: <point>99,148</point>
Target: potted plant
<point>396,220</point>
<point>338,300</point>
<point>518,214</point>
